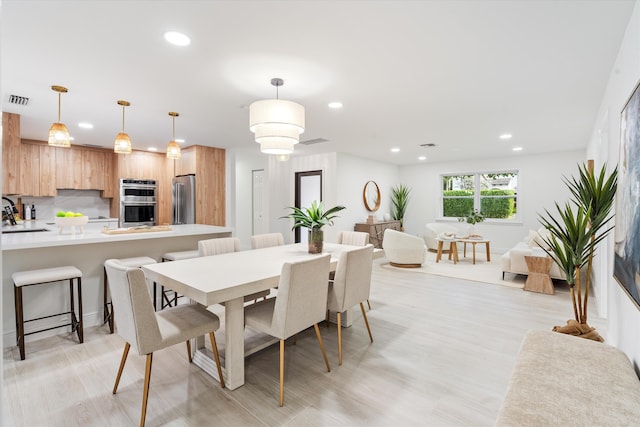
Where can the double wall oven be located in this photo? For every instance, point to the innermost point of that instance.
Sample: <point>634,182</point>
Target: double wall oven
<point>138,202</point>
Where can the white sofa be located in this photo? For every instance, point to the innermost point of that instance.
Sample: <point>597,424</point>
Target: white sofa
<point>402,249</point>
<point>513,260</point>
<point>433,229</point>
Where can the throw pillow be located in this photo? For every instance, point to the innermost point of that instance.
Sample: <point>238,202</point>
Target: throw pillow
<point>539,240</point>
<point>530,239</point>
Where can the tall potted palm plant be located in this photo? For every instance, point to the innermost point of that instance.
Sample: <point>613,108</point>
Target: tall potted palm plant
<point>575,235</point>
<point>313,218</point>
<point>399,201</point>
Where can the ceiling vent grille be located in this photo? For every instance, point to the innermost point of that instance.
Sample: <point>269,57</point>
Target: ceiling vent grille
<point>18,100</point>
<point>430,144</point>
<point>313,141</point>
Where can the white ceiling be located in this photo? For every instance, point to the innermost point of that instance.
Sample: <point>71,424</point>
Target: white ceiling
<point>453,73</point>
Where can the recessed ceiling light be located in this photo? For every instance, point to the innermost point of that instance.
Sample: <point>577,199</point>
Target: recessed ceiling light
<point>335,104</point>
<point>506,136</point>
<point>85,125</point>
<point>177,39</point>
<point>71,138</point>
<point>179,141</point>
<point>422,158</point>
<point>395,150</point>
<point>516,149</point>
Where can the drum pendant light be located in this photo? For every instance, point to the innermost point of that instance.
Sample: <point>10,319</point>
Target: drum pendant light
<point>173,149</point>
<point>58,133</point>
<point>122,144</point>
<point>276,123</point>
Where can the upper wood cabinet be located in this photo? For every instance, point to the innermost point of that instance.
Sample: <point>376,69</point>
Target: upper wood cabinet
<point>11,157</point>
<point>93,170</point>
<point>187,164</point>
<point>47,171</point>
<point>68,168</point>
<point>210,185</point>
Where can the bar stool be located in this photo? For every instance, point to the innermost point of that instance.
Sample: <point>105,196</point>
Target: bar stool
<point>166,299</point>
<point>41,277</point>
<point>135,262</point>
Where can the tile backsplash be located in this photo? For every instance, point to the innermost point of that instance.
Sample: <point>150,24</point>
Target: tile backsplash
<point>87,202</point>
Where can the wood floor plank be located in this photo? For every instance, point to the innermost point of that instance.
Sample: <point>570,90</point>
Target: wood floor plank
<point>442,355</point>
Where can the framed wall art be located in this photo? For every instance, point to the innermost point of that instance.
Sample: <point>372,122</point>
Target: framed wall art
<point>626,269</point>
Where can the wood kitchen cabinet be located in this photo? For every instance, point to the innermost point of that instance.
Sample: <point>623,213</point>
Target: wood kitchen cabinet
<point>93,170</point>
<point>37,169</point>
<point>208,164</point>
<point>11,158</point>
<point>68,168</point>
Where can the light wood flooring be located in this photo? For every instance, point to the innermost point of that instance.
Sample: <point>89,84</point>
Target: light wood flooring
<point>442,356</point>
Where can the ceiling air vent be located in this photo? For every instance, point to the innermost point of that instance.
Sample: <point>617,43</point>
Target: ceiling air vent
<point>313,141</point>
<point>18,100</point>
<point>430,144</point>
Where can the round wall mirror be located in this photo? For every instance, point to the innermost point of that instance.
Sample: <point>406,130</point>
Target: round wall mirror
<point>371,196</point>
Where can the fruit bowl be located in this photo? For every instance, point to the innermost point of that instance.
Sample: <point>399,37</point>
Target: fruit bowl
<point>71,221</point>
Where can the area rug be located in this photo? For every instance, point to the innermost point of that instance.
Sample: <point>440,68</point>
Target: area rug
<point>481,271</point>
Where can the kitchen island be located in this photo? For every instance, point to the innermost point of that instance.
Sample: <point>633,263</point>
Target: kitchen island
<point>86,251</point>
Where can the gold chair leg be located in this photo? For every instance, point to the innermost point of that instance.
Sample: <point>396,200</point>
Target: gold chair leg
<point>324,353</point>
<point>366,322</point>
<point>214,346</point>
<point>145,392</point>
<point>281,372</point>
<point>189,350</point>
<point>125,353</point>
<point>368,303</point>
<point>339,319</point>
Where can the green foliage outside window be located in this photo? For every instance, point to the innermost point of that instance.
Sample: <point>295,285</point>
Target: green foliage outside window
<point>493,203</point>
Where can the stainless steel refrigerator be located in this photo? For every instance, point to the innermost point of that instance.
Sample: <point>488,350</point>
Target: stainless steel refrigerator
<point>184,199</point>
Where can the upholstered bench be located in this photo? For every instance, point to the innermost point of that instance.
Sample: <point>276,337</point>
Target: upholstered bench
<point>562,380</point>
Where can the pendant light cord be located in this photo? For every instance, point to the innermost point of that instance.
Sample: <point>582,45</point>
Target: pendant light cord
<point>123,119</point>
<point>58,107</point>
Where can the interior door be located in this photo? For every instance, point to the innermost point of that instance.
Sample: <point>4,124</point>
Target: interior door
<point>308,188</point>
<point>258,202</point>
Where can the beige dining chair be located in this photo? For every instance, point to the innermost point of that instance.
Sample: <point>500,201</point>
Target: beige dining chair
<point>354,238</point>
<point>266,240</point>
<point>301,302</point>
<point>147,330</point>
<point>350,286</point>
<point>227,245</point>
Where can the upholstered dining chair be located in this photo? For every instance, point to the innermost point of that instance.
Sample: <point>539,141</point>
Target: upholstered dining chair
<point>301,302</point>
<point>350,286</point>
<point>147,330</point>
<point>354,238</point>
<point>226,245</point>
<point>266,240</point>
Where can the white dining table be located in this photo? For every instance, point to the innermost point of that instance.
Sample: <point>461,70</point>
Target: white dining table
<point>228,278</point>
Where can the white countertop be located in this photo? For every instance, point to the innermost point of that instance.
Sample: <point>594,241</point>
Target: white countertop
<point>52,238</point>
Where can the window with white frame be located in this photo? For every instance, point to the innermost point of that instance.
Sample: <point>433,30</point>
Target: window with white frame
<point>493,194</point>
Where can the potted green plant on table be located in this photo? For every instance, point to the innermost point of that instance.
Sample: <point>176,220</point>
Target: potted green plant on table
<point>313,218</point>
<point>473,218</point>
<point>574,236</point>
<point>399,201</point>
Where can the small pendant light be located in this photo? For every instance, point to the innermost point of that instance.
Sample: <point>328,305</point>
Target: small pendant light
<point>173,149</point>
<point>58,133</point>
<point>122,144</point>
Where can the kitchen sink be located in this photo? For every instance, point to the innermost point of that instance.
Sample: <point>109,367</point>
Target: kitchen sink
<point>19,229</point>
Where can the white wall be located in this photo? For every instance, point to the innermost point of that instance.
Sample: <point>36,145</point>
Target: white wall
<point>624,316</point>
<point>539,186</point>
<point>246,161</point>
<point>353,174</point>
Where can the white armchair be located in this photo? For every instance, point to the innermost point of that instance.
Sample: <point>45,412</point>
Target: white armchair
<point>433,229</point>
<point>402,249</point>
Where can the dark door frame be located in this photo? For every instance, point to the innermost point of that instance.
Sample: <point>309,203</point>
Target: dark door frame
<point>298,176</point>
